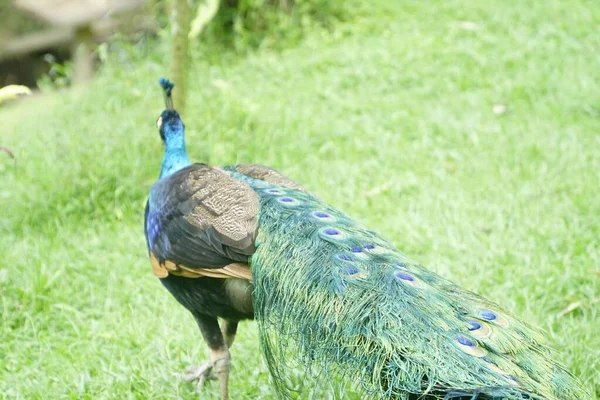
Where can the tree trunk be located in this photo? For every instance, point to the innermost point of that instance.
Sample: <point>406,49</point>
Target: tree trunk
<point>180,27</point>
<point>82,55</point>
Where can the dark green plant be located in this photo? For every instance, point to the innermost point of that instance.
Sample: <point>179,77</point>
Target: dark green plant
<point>59,76</point>
<point>274,23</point>
<point>243,24</point>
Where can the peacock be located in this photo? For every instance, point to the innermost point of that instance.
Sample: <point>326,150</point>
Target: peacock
<point>330,296</point>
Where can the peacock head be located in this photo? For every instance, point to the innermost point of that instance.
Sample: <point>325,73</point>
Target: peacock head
<point>169,123</point>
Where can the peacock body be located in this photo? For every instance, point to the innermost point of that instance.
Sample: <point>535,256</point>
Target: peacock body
<point>328,294</point>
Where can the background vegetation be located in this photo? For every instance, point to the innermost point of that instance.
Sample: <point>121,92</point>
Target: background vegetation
<point>466,132</point>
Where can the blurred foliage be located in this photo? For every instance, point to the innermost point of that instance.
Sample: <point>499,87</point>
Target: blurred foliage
<point>59,75</point>
<point>238,26</point>
<point>243,24</point>
<point>205,14</point>
<point>274,23</point>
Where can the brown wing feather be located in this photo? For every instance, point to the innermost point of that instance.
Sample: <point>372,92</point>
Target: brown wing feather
<point>227,205</point>
<point>233,270</point>
<point>207,224</point>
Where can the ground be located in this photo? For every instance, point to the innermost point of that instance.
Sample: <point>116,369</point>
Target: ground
<point>466,132</point>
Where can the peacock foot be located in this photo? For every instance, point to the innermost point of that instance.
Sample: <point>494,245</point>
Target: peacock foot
<point>201,373</point>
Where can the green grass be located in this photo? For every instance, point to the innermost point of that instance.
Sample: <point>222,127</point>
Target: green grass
<point>389,119</point>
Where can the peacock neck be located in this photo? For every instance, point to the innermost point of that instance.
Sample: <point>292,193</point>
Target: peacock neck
<point>175,157</point>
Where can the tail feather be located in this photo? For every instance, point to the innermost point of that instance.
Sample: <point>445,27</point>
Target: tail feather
<point>336,299</point>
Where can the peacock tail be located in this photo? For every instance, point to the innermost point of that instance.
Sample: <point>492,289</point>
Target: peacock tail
<point>340,301</point>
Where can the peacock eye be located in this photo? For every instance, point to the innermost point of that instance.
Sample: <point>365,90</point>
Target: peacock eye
<point>159,122</point>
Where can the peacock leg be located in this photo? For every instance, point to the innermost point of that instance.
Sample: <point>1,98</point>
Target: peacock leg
<point>229,331</point>
<point>220,360</point>
<point>221,365</point>
<point>201,373</point>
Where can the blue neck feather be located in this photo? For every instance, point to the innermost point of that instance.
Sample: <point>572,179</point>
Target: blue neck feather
<point>175,157</point>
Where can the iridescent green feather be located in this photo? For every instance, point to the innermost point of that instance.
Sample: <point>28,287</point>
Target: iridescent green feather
<point>339,301</point>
